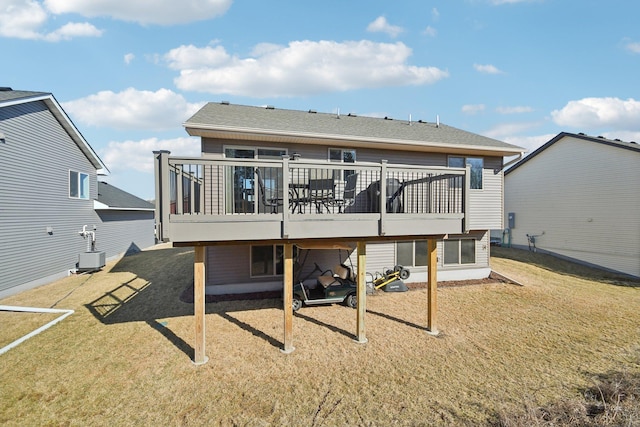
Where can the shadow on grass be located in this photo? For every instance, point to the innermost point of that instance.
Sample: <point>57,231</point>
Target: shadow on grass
<point>325,325</point>
<point>566,267</point>
<point>395,319</point>
<point>159,279</point>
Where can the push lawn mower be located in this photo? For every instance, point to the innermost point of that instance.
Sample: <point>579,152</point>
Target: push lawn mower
<point>391,280</point>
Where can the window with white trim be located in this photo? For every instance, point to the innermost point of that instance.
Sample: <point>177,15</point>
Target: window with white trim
<point>459,251</point>
<point>476,164</point>
<point>78,185</point>
<point>343,155</point>
<point>411,253</point>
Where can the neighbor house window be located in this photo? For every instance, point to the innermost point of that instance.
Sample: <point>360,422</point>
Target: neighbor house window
<point>267,260</point>
<point>411,254</point>
<point>462,251</point>
<point>343,155</point>
<point>78,185</point>
<point>476,164</point>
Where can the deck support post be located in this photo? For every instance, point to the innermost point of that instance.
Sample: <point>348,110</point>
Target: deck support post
<point>361,292</point>
<point>199,356</point>
<point>288,299</point>
<point>432,286</point>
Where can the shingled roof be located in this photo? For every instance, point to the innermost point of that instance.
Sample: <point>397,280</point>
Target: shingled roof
<point>272,124</point>
<point>110,197</point>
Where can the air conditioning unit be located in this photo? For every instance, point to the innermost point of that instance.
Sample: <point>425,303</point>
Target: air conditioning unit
<point>91,261</point>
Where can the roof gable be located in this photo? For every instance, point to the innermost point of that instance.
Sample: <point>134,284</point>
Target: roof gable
<point>224,119</point>
<point>9,97</point>
<point>614,143</point>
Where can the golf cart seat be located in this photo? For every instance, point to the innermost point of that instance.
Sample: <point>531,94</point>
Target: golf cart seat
<point>340,274</point>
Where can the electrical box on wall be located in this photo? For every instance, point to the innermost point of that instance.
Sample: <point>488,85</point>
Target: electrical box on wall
<point>512,219</point>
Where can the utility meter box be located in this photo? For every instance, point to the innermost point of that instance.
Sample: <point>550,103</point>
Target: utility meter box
<point>512,219</point>
<point>89,261</point>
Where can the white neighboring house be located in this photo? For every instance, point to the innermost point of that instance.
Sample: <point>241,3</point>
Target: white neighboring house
<point>578,197</point>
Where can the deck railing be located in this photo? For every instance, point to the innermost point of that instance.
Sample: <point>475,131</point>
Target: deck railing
<point>296,193</point>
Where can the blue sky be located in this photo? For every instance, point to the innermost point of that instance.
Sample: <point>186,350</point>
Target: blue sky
<point>130,72</point>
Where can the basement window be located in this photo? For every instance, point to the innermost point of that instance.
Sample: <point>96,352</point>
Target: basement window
<point>78,185</point>
<point>459,251</point>
<point>412,253</point>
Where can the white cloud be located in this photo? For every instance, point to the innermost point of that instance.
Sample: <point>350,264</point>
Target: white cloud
<point>500,2</point>
<point>487,69</point>
<point>301,68</point>
<point>435,14</point>
<point>138,155</point>
<point>514,110</point>
<point>380,25</point>
<point>128,58</point>
<point>430,31</point>
<point>473,108</point>
<point>192,57</point>
<point>531,143</point>
<point>633,47</point>
<point>26,19</point>
<point>71,30</point>
<point>133,109</point>
<point>593,113</point>
<point>163,12</point>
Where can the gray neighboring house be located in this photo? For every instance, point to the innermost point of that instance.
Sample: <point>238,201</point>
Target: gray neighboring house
<point>578,197</point>
<point>50,191</point>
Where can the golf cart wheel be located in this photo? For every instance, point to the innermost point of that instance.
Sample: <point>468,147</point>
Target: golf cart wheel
<point>352,301</point>
<point>297,303</point>
<point>404,273</point>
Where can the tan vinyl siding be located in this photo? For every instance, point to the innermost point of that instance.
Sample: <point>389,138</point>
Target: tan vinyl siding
<point>486,203</point>
<point>584,196</point>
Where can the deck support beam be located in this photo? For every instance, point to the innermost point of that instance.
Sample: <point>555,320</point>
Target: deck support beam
<point>361,292</point>
<point>432,286</point>
<point>288,299</point>
<point>199,356</point>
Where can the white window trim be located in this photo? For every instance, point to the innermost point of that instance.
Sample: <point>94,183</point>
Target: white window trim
<point>460,263</point>
<point>79,183</point>
<point>413,254</point>
<point>465,162</point>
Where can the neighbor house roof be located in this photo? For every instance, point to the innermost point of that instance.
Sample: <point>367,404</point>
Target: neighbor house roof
<point>9,97</point>
<point>113,198</point>
<point>268,124</point>
<point>614,143</point>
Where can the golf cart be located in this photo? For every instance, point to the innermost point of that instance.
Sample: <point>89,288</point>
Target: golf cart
<point>327,287</point>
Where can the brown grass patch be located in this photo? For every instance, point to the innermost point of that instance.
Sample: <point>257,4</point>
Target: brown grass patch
<point>124,357</point>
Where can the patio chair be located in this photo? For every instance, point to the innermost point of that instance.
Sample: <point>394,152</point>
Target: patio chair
<point>273,202</point>
<point>322,193</point>
<point>348,194</point>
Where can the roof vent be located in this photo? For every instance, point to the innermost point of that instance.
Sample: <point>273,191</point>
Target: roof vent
<point>225,102</point>
<point>617,139</point>
<point>5,89</point>
<point>351,115</point>
<point>633,142</point>
<point>312,111</point>
<point>270,107</point>
<point>581,133</point>
<point>600,136</point>
<point>387,118</point>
